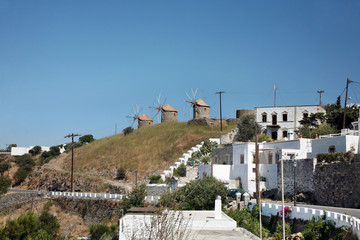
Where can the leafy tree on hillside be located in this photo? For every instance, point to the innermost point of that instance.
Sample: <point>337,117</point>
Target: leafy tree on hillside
<point>24,160</point>
<point>35,151</point>
<point>5,183</point>
<point>128,130</point>
<point>246,128</point>
<point>8,149</point>
<point>4,167</point>
<point>134,198</point>
<point>86,139</point>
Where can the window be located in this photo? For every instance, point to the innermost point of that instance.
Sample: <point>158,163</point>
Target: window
<point>264,117</point>
<point>274,119</point>
<point>285,134</point>
<point>254,170</point>
<point>253,161</point>
<point>292,156</point>
<point>274,135</point>
<point>285,117</point>
<point>241,158</point>
<point>277,157</point>
<point>332,149</point>
<point>270,158</point>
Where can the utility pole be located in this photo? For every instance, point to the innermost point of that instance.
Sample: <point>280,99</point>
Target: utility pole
<point>275,95</point>
<point>258,193</point>
<point>346,98</point>
<point>320,92</point>
<point>220,92</point>
<point>282,197</point>
<point>72,158</point>
<point>136,173</point>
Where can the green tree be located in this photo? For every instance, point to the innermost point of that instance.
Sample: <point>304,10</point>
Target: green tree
<point>20,175</point>
<point>199,194</point>
<point>5,183</point>
<point>49,223</point>
<point>121,174</point>
<point>8,149</point>
<point>278,235</point>
<point>308,131</point>
<point>98,230</point>
<point>246,127</point>
<point>24,160</point>
<point>128,130</point>
<point>23,227</point>
<point>134,199</point>
<point>35,151</point>
<point>207,147</point>
<point>86,139</point>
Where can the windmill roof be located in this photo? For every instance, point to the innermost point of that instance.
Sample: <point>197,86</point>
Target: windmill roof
<point>168,108</point>
<point>145,117</point>
<point>200,102</point>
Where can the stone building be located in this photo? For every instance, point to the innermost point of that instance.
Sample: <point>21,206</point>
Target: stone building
<point>201,110</point>
<point>283,122</point>
<point>144,120</point>
<point>168,113</point>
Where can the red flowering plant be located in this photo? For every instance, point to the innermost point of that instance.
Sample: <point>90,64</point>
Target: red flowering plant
<point>287,210</point>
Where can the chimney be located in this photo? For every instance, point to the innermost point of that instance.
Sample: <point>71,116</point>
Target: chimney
<point>218,207</point>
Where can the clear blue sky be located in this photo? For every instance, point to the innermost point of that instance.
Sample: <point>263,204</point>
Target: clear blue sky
<point>82,66</point>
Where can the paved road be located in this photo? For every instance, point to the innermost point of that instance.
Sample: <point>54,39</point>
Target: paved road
<point>351,211</point>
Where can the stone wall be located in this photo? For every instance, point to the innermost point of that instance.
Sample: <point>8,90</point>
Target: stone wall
<point>337,184</point>
<point>305,169</point>
<point>219,155</point>
<point>10,202</point>
<point>157,189</point>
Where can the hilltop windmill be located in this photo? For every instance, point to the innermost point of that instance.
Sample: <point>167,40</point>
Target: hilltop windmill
<point>200,108</point>
<point>168,113</point>
<point>143,120</point>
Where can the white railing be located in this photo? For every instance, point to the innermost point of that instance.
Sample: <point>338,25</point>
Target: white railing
<point>106,196</point>
<point>305,213</point>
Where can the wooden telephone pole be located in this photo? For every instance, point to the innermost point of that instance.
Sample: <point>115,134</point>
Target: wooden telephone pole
<point>220,92</point>
<point>72,158</point>
<point>346,98</point>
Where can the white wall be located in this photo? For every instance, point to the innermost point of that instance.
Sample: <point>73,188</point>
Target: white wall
<point>341,143</point>
<point>18,151</point>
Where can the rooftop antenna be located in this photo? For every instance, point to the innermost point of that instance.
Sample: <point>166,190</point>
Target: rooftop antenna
<point>275,95</point>
<point>136,114</point>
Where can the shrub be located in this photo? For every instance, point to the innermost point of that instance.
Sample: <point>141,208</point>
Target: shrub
<point>207,147</point>
<point>180,171</point>
<point>197,195</point>
<point>49,223</point>
<point>336,157</point>
<point>5,183</point>
<point>86,139</point>
<point>206,159</point>
<point>128,130</point>
<point>121,174</point>
<point>278,235</point>
<point>134,198</point>
<point>4,167</point>
<point>24,160</point>
<point>246,128</point>
<point>35,151</point>
<point>98,230</point>
<point>155,179</point>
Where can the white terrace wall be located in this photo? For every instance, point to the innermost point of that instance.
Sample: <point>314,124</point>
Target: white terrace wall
<point>341,144</point>
<point>268,209</point>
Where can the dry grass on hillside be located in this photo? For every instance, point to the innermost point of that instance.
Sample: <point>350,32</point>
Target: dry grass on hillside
<point>146,150</point>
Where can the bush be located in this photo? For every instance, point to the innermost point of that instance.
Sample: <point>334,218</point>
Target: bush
<point>206,159</point>
<point>155,179</point>
<point>5,183</point>
<point>35,151</point>
<point>4,167</point>
<point>49,223</point>
<point>128,130</point>
<point>86,139</point>
<point>207,147</point>
<point>134,199</point>
<point>98,230</point>
<point>197,195</point>
<point>336,157</point>
<point>248,219</point>
<point>21,174</point>
<point>278,235</point>
<point>180,171</point>
<point>24,160</point>
<point>121,174</point>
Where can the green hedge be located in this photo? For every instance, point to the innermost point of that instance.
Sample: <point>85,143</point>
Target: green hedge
<point>335,157</point>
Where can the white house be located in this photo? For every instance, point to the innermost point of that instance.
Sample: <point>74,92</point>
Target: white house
<point>18,151</point>
<point>236,162</point>
<point>283,122</point>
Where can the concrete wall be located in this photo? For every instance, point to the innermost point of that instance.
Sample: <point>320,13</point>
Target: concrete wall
<point>341,143</point>
<point>305,170</point>
<point>337,184</point>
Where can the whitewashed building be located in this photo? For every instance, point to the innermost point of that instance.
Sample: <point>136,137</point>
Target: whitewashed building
<point>283,122</point>
<point>235,163</point>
